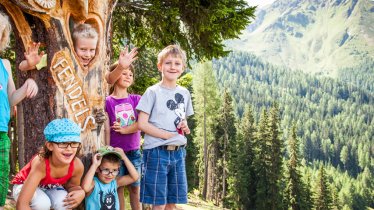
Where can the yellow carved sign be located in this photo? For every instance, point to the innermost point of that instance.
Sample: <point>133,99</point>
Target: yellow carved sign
<point>69,83</point>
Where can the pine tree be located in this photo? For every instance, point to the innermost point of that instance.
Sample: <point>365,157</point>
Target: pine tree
<point>226,136</point>
<point>192,149</point>
<point>307,182</point>
<point>335,199</point>
<point>323,199</point>
<point>341,139</point>
<point>366,186</point>
<point>294,192</point>
<point>243,182</point>
<point>206,103</point>
<point>262,164</point>
<point>200,27</point>
<point>276,155</point>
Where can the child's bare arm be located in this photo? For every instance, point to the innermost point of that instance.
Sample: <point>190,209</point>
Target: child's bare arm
<point>133,174</point>
<point>150,129</point>
<point>29,89</point>
<point>75,180</point>
<point>107,131</point>
<point>124,61</point>
<point>75,192</point>
<point>88,181</point>
<point>127,129</point>
<point>37,173</point>
<point>32,56</point>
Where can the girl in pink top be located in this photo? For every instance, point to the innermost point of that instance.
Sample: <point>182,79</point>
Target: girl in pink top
<point>52,178</point>
<point>121,128</point>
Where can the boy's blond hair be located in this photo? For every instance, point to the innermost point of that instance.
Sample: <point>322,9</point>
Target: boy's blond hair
<point>84,31</point>
<point>174,50</point>
<point>5,29</point>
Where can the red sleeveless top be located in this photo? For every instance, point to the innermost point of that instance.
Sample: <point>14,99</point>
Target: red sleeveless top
<point>47,182</point>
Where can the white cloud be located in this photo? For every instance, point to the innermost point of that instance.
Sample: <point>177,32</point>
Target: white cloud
<point>259,3</point>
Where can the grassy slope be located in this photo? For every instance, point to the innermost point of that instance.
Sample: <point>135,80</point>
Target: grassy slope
<point>195,203</point>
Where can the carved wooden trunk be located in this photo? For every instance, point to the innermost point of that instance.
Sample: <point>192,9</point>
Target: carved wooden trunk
<point>66,89</point>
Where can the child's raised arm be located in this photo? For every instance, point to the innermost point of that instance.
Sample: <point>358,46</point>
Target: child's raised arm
<point>107,131</point>
<point>133,174</point>
<point>75,192</point>
<point>37,173</point>
<point>124,61</point>
<point>88,181</point>
<point>32,56</point>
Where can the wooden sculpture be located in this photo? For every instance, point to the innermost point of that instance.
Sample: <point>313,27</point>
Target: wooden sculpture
<point>66,89</point>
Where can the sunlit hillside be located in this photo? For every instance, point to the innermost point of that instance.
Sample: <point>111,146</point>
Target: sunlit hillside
<point>314,36</point>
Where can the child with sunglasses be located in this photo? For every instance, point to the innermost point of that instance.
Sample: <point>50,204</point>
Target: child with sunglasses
<point>101,190</point>
<point>52,178</point>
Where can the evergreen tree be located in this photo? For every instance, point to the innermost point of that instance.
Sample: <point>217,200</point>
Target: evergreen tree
<point>335,198</point>
<point>200,27</point>
<point>336,117</point>
<point>307,182</point>
<point>243,187</point>
<point>323,200</point>
<point>192,149</point>
<point>366,185</point>
<point>262,164</point>
<point>294,192</point>
<point>226,137</point>
<point>276,156</point>
<point>206,104</point>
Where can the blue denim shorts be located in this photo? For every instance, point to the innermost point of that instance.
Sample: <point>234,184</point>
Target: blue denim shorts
<point>135,157</point>
<point>164,178</point>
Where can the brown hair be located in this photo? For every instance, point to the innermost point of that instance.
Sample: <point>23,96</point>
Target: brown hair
<point>5,30</point>
<point>174,50</point>
<point>112,67</point>
<point>111,158</point>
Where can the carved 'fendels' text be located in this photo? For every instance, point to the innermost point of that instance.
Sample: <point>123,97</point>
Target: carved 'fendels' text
<point>71,86</point>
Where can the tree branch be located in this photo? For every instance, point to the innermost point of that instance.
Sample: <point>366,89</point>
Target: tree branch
<point>136,4</point>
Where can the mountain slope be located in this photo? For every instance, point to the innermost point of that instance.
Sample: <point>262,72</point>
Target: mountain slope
<point>319,36</point>
<point>330,113</point>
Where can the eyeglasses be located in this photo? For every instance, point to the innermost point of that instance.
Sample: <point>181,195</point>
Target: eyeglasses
<point>65,145</point>
<point>106,171</point>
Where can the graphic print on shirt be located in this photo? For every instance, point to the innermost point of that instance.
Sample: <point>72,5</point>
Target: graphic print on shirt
<point>178,107</point>
<point>107,200</point>
<point>124,114</point>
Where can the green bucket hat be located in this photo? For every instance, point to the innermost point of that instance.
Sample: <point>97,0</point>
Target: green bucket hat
<point>108,150</point>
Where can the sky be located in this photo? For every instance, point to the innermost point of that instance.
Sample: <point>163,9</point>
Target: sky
<point>260,3</point>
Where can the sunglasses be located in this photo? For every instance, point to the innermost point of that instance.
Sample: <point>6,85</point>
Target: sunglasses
<point>65,145</point>
<point>106,171</point>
